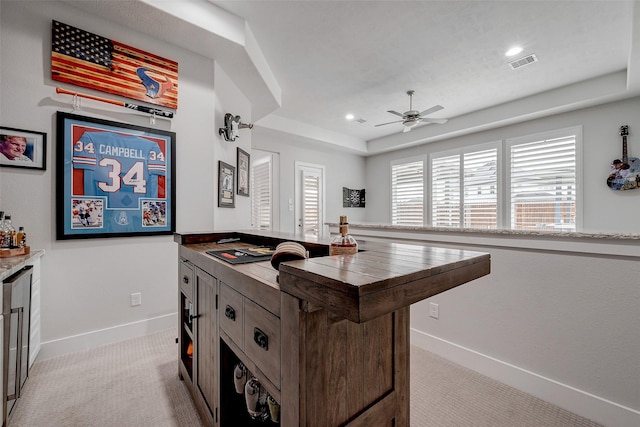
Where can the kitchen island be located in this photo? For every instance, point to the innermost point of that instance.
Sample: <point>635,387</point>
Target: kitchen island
<point>328,339</point>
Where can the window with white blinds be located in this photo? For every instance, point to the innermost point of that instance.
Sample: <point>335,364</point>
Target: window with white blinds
<point>464,189</point>
<point>407,193</point>
<point>524,183</point>
<point>261,195</point>
<point>543,179</point>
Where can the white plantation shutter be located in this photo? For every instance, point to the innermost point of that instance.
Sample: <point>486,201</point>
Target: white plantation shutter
<point>407,193</point>
<point>261,195</point>
<point>445,191</point>
<point>480,189</point>
<point>543,184</point>
<point>311,200</point>
<point>464,188</point>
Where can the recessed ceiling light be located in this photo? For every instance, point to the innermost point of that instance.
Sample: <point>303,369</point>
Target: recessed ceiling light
<point>513,51</point>
<point>349,117</point>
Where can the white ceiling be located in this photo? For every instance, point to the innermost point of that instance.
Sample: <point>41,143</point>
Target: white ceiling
<point>330,58</point>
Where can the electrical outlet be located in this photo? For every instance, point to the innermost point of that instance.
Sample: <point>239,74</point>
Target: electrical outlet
<point>434,310</point>
<point>136,299</point>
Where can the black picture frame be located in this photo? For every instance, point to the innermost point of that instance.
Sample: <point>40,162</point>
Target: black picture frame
<point>226,184</point>
<point>244,167</point>
<point>352,198</point>
<point>21,148</point>
<point>113,179</point>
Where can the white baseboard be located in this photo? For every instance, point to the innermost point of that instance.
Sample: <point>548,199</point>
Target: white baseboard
<point>89,340</point>
<point>603,411</point>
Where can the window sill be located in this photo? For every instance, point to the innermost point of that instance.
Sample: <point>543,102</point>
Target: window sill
<point>592,243</point>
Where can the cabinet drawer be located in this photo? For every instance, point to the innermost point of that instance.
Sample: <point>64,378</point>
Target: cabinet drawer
<point>231,314</point>
<point>186,280</point>
<point>262,339</point>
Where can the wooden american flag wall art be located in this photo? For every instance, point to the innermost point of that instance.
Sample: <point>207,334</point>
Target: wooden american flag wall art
<point>95,62</point>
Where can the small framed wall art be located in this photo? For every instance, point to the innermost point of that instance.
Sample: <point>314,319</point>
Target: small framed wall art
<point>21,148</point>
<point>352,198</point>
<point>243,172</point>
<point>226,182</point>
<point>113,179</point>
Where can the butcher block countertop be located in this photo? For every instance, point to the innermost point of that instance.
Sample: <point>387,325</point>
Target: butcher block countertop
<point>380,278</point>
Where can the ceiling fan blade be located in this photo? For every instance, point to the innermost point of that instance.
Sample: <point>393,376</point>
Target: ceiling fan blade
<point>438,121</point>
<point>395,112</point>
<point>382,124</point>
<point>432,110</point>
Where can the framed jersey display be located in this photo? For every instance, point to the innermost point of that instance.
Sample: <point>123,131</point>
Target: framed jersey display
<point>114,179</point>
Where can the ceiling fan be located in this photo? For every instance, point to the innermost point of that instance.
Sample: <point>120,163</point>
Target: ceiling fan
<point>412,118</point>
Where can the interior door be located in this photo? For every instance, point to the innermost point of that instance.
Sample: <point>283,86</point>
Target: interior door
<point>265,190</point>
<point>309,193</point>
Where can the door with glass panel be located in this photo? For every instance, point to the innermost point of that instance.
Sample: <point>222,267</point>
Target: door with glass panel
<point>309,190</point>
<point>264,190</point>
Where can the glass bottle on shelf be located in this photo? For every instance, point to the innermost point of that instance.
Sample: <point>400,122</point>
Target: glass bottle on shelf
<point>10,236</point>
<point>343,244</point>
<point>3,231</point>
<point>21,238</point>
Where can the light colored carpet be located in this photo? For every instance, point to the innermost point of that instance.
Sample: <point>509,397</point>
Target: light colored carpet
<point>135,383</point>
<point>132,383</point>
<point>445,394</point>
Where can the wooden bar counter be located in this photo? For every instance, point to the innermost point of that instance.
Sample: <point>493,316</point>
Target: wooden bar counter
<point>328,340</point>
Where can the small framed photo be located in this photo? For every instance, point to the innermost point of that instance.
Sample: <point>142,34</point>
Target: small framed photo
<point>21,148</point>
<point>226,182</point>
<point>243,172</point>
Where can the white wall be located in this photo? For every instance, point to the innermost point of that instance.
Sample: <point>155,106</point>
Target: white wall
<point>562,325</point>
<point>86,284</point>
<point>235,103</point>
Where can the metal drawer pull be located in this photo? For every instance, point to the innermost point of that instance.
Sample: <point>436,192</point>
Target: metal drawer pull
<point>230,313</point>
<point>261,338</point>
<point>185,279</point>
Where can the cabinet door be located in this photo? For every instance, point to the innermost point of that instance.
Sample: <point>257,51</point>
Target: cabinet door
<point>206,340</point>
<point>186,281</point>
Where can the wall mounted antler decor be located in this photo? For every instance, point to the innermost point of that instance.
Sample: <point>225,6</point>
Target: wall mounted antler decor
<point>232,125</point>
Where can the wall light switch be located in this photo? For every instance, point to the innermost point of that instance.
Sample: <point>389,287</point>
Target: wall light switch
<point>136,299</point>
<point>434,310</point>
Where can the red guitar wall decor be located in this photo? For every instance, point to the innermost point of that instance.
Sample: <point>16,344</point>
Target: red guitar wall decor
<point>625,172</point>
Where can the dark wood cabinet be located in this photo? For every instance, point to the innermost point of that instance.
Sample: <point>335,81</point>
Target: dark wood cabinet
<point>328,339</point>
<point>198,338</point>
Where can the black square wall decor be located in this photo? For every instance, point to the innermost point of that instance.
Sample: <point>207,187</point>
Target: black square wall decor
<point>352,198</point>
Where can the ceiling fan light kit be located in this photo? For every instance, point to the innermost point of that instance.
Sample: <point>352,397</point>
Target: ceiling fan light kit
<point>412,118</point>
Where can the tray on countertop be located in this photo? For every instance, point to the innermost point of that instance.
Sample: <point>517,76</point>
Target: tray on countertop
<point>6,253</point>
<point>243,256</point>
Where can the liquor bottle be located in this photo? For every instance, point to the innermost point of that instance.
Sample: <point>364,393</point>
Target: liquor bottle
<point>3,231</point>
<point>21,238</point>
<point>343,244</point>
<point>10,236</point>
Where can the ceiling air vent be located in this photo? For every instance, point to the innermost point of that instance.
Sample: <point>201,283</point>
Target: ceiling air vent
<point>529,59</point>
